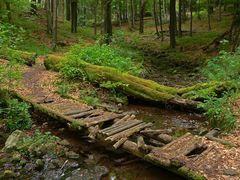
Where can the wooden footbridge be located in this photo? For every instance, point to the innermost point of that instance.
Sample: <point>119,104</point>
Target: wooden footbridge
<point>191,156</point>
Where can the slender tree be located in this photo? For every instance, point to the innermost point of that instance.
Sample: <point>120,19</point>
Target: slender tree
<point>191,18</point>
<point>209,14</point>
<point>141,15</point>
<point>107,20</point>
<point>68,10</point>
<point>172,26</point>
<point>8,8</point>
<point>156,17</point>
<point>74,15</point>
<point>220,10</point>
<point>49,16</point>
<point>54,25</point>
<point>180,18</point>
<point>160,2</point>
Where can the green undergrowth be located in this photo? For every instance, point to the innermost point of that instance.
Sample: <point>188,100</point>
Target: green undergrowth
<point>218,107</point>
<point>27,145</point>
<point>15,113</point>
<point>102,55</point>
<point>198,39</point>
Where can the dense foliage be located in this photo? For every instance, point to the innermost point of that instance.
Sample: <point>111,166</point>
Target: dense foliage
<point>225,67</point>
<point>10,35</point>
<point>17,115</point>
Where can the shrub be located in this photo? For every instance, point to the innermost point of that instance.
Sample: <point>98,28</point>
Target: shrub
<point>17,115</point>
<point>89,97</point>
<point>9,74</point>
<point>37,140</point>
<point>219,112</point>
<point>225,67</point>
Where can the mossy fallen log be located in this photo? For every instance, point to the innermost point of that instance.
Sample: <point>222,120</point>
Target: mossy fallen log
<point>137,87</point>
<point>19,56</point>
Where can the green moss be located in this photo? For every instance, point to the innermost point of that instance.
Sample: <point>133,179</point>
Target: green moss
<point>189,174</point>
<point>19,56</point>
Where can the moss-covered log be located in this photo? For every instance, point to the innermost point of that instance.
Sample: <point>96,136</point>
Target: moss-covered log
<point>138,87</point>
<point>19,56</point>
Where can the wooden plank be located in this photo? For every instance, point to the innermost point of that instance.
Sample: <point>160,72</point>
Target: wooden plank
<point>128,132</point>
<point>82,114</point>
<point>76,111</point>
<point>109,129</point>
<point>128,117</point>
<point>179,147</point>
<point>96,120</point>
<point>119,143</point>
<point>130,125</point>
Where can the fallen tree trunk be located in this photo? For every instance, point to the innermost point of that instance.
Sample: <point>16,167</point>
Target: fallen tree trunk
<point>134,86</point>
<point>19,56</point>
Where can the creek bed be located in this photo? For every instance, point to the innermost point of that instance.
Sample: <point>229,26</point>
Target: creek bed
<point>120,165</point>
<point>177,122</point>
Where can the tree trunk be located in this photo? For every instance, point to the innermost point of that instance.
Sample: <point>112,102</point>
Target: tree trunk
<point>199,9</point>
<point>9,15</point>
<point>68,10</point>
<point>95,17</point>
<point>108,20</point>
<point>220,10</point>
<point>209,15</point>
<point>155,18</point>
<point>172,26</point>
<point>119,14</point>
<point>54,26</point>
<point>142,14</point>
<point>74,16</point>
<point>160,2</point>
<point>137,87</point>
<point>180,18</point>
<point>235,28</point>
<point>49,16</point>
<point>191,19</point>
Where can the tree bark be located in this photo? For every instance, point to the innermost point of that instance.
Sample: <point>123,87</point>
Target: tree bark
<point>74,16</point>
<point>108,20</point>
<point>191,19</point>
<point>155,18</point>
<point>209,15</point>
<point>9,14</point>
<point>54,26</point>
<point>172,26</point>
<point>180,18</point>
<point>220,10</point>
<point>49,16</point>
<point>68,10</point>
<point>95,17</point>
<point>160,2</point>
<point>142,14</point>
